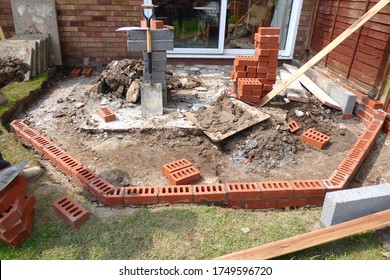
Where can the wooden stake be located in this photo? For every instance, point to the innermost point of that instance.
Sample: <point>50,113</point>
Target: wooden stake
<point>357,24</point>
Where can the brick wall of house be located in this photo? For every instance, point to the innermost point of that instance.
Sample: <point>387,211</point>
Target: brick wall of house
<point>304,29</point>
<point>6,19</point>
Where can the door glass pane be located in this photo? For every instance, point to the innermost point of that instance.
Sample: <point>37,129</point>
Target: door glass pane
<point>245,16</point>
<point>196,22</point>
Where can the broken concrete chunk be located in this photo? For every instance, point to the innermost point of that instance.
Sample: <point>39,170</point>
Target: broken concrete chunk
<point>133,93</point>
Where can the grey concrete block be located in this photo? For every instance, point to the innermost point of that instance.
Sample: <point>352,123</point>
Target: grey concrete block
<point>345,205</point>
<point>344,98</point>
<point>157,77</point>
<point>156,65</point>
<point>157,56</point>
<point>157,34</point>
<point>157,45</point>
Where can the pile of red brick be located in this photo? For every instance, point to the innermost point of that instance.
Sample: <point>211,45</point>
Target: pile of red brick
<point>254,76</point>
<point>16,212</point>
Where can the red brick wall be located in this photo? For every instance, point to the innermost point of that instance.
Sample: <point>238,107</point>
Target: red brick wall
<point>87,28</point>
<point>303,29</point>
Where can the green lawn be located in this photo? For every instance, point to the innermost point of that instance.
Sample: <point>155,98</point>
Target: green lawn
<point>172,232</point>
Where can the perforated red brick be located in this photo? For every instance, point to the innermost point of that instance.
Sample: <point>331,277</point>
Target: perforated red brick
<point>206,193</point>
<point>52,152</point>
<point>12,192</point>
<point>100,188</point>
<point>18,125</point>
<point>278,189</point>
<point>329,186</point>
<point>356,154</point>
<point>66,163</point>
<point>293,126</point>
<point>249,84</point>
<point>14,212</point>
<point>141,195</point>
<point>175,194</point>
<point>349,166</point>
<point>268,30</point>
<point>71,211</point>
<point>243,191</point>
<point>175,166</point>
<point>39,142</point>
<point>83,175</point>
<point>27,134</point>
<point>339,179</point>
<point>106,114</point>
<point>306,188</point>
<point>245,60</point>
<point>15,242</point>
<point>115,197</point>
<point>184,176</point>
<point>315,138</point>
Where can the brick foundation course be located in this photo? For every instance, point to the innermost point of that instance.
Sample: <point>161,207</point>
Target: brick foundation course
<point>255,195</point>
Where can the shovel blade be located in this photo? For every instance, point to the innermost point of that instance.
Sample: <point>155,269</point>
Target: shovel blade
<point>151,99</point>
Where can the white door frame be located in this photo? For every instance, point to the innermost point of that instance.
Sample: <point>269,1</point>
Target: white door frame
<point>220,52</point>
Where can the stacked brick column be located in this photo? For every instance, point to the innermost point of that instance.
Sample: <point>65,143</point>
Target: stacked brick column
<point>162,40</point>
<point>16,212</point>
<point>254,76</point>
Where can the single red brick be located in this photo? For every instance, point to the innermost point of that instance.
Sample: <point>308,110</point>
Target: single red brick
<point>315,138</point>
<point>261,75</point>
<point>87,72</point>
<point>271,76</point>
<point>251,75</point>
<point>184,176</point>
<point>306,188</point>
<point>39,142</point>
<point>14,230</point>
<point>115,197</point>
<point>259,204</point>
<point>17,126</point>
<point>339,179</point>
<point>52,152</point>
<point>141,195</point>
<point>75,73</point>
<point>249,84</point>
<point>375,104</point>
<point>100,188</point>
<point>175,194</point>
<point>261,52</point>
<point>243,191</point>
<point>374,127</point>
<point>15,242</point>
<point>27,134</point>
<point>270,45</point>
<point>239,67</point>
<point>154,24</point>
<point>250,99</point>
<point>211,193</point>
<point>66,163</point>
<point>245,60</point>
<point>363,144</point>
<point>268,87</point>
<point>261,38</point>
<point>71,212</point>
<point>278,189</point>
<point>9,217</point>
<point>293,126</point>
<point>106,114</point>
<point>349,166</point>
<point>175,166</point>
<point>316,201</point>
<point>299,202</point>
<point>83,175</point>
<point>268,30</point>
<point>12,192</point>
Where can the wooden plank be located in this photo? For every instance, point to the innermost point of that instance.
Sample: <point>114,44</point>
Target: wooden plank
<point>313,88</point>
<point>2,37</point>
<point>325,51</point>
<point>311,239</point>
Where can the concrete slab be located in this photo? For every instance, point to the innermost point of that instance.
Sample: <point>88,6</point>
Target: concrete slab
<point>43,15</point>
<point>345,205</point>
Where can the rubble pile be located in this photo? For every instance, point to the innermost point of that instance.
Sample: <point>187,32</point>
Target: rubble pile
<point>12,69</point>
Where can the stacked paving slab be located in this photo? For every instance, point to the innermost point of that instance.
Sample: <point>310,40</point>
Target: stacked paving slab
<point>32,49</point>
<point>162,40</point>
<point>254,76</point>
<point>16,212</point>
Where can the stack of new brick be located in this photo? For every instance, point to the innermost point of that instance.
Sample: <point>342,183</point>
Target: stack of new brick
<point>16,212</point>
<point>254,76</point>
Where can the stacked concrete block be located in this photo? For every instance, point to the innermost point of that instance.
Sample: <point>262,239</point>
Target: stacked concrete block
<point>162,40</point>
<point>16,212</point>
<point>261,66</point>
<point>32,49</point>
